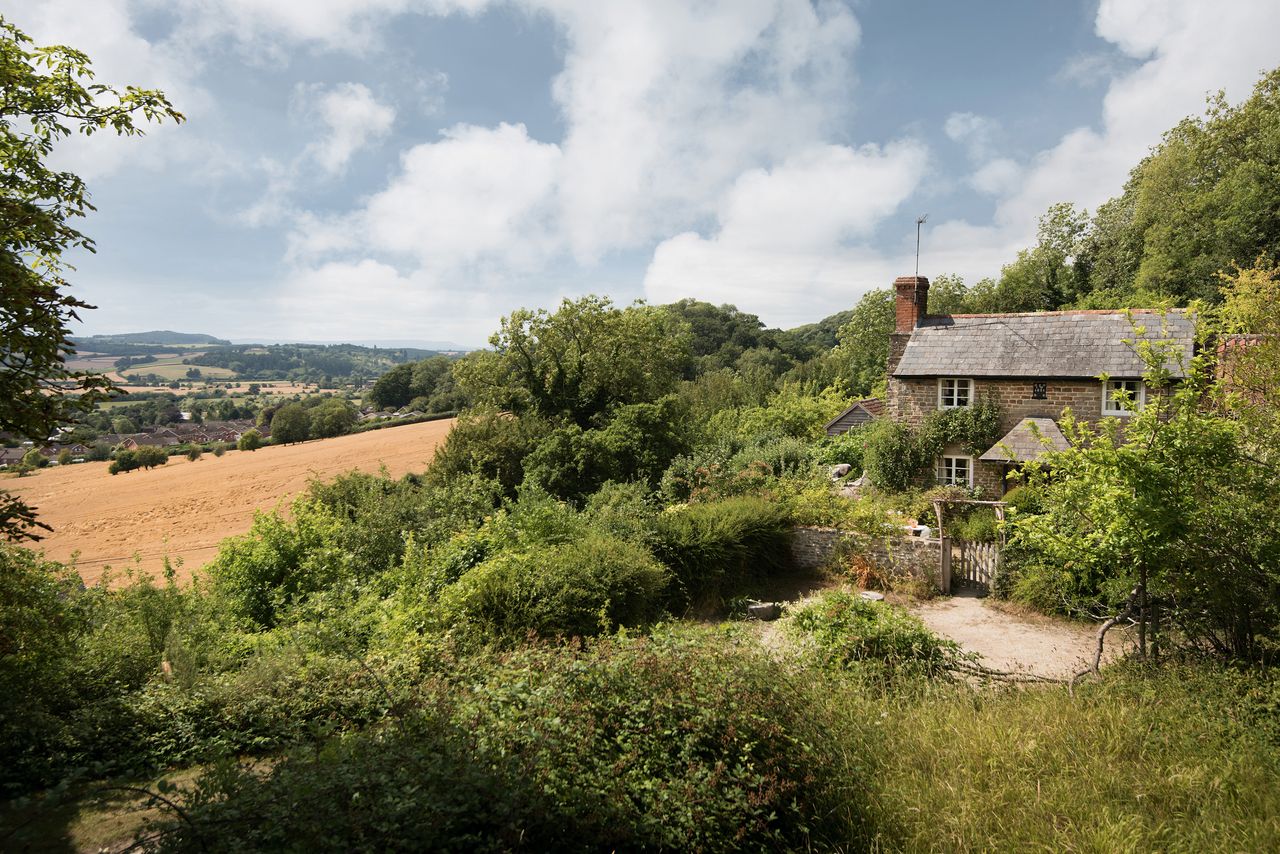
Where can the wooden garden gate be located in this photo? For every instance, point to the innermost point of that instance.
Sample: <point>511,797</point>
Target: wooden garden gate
<point>975,564</point>
<point>966,563</point>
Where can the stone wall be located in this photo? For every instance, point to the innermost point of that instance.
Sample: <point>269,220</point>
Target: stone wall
<point>920,558</point>
<point>913,398</point>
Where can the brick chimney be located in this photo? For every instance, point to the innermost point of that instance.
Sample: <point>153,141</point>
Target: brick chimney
<point>911,299</point>
<point>911,304</point>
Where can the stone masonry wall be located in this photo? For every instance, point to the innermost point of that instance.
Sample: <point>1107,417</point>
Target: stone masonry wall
<point>917,557</point>
<point>912,399</point>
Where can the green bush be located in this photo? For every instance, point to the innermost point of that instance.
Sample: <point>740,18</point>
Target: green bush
<point>849,447</point>
<point>667,743</point>
<point>978,525</point>
<point>893,455</point>
<point>843,630</point>
<point>1025,500</point>
<point>716,549</point>
<point>580,588</point>
<point>489,444</point>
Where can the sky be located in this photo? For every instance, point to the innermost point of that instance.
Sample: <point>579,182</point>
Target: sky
<point>413,170</point>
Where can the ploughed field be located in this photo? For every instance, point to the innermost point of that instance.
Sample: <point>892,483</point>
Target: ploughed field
<point>184,509</point>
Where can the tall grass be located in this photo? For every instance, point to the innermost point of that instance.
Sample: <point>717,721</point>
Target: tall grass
<point>1184,760</point>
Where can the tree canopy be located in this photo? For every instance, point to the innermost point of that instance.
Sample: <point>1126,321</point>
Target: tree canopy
<point>579,361</point>
<point>48,94</point>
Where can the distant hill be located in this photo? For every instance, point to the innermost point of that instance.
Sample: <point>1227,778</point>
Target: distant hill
<point>374,343</point>
<point>162,337</point>
<point>821,335</point>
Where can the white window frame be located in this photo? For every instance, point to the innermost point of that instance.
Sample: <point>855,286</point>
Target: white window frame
<point>956,383</point>
<point>1111,406</point>
<point>946,474</point>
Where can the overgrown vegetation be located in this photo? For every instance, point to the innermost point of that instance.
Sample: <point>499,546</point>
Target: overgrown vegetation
<point>494,655</point>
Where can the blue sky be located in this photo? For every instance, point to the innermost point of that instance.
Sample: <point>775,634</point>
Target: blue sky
<point>414,169</point>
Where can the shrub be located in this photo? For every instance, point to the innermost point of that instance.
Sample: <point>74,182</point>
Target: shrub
<point>580,589</point>
<point>844,630</point>
<point>893,456</point>
<point>663,743</point>
<point>978,525</point>
<point>40,619</point>
<point>250,440</point>
<point>489,444</point>
<point>715,549</point>
<point>194,454</point>
<point>260,573</point>
<point>849,447</point>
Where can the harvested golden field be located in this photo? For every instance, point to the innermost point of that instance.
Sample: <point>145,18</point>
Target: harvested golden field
<point>184,509</point>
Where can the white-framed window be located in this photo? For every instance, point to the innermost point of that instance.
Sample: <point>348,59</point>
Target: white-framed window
<point>954,393</point>
<point>955,471</point>
<point>1123,397</point>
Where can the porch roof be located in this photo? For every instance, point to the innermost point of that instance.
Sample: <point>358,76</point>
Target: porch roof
<point>1030,438</point>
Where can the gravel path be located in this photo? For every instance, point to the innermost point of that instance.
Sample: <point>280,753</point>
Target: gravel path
<point>1043,646</point>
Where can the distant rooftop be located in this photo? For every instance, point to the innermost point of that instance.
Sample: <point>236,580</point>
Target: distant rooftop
<point>1075,344</point>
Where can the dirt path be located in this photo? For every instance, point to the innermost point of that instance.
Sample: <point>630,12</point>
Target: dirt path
<point>1040,645</point>
<point>184,509</point>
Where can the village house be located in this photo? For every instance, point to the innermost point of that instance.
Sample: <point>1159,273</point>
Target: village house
<point>1033,365</point>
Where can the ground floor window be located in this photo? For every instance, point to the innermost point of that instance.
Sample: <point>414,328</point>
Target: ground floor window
<point>955,471</point>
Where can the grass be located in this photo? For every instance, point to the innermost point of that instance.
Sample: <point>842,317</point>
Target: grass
<point>1180,760</point>
<point>1143,762</point>
<point>177,370</point>
<point>99,817</point>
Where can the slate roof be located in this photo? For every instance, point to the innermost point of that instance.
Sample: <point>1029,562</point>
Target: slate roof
<point>860,412</point>
<point>1063,344</point>
<point>1027,441</point>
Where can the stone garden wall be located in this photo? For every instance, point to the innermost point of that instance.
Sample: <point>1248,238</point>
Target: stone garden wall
<point>917,557</point>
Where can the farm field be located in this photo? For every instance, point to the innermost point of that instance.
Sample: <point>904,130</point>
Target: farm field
<point>184,509</point>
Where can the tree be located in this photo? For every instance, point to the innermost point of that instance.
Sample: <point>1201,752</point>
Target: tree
<point>333,417</point>
<point>149,457</point>
<point>291,423</point>
<point>250,440</point>
<point>1249,355</point>
<point>1169,519</point>
<point>864,341</point>
<point>48,94</point>
<point>394,388</point>
<point>123,426</point>
<point>577,363</point>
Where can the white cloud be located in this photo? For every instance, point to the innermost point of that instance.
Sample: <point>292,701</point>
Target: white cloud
<point>787,237</point>
<point>120,56</point>
<point>665,105</point>
<point>477,194</point>
<point>996,177</point>
<point>976,133</point>
<point>1089,69</point>
<point>327,301</point>
<point>352,119</point>
<point>1186,49</point>
<point>352,26</point>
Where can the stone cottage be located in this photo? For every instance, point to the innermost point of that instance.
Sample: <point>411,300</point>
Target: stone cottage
<point>1034,365</point>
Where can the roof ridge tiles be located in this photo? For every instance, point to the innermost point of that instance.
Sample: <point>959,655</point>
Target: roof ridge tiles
<point>1063,312</point>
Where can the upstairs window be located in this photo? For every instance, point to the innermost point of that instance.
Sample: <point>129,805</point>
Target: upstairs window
<point>954,393</point>
<point>1123,397</point>
<point>955,471</point>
